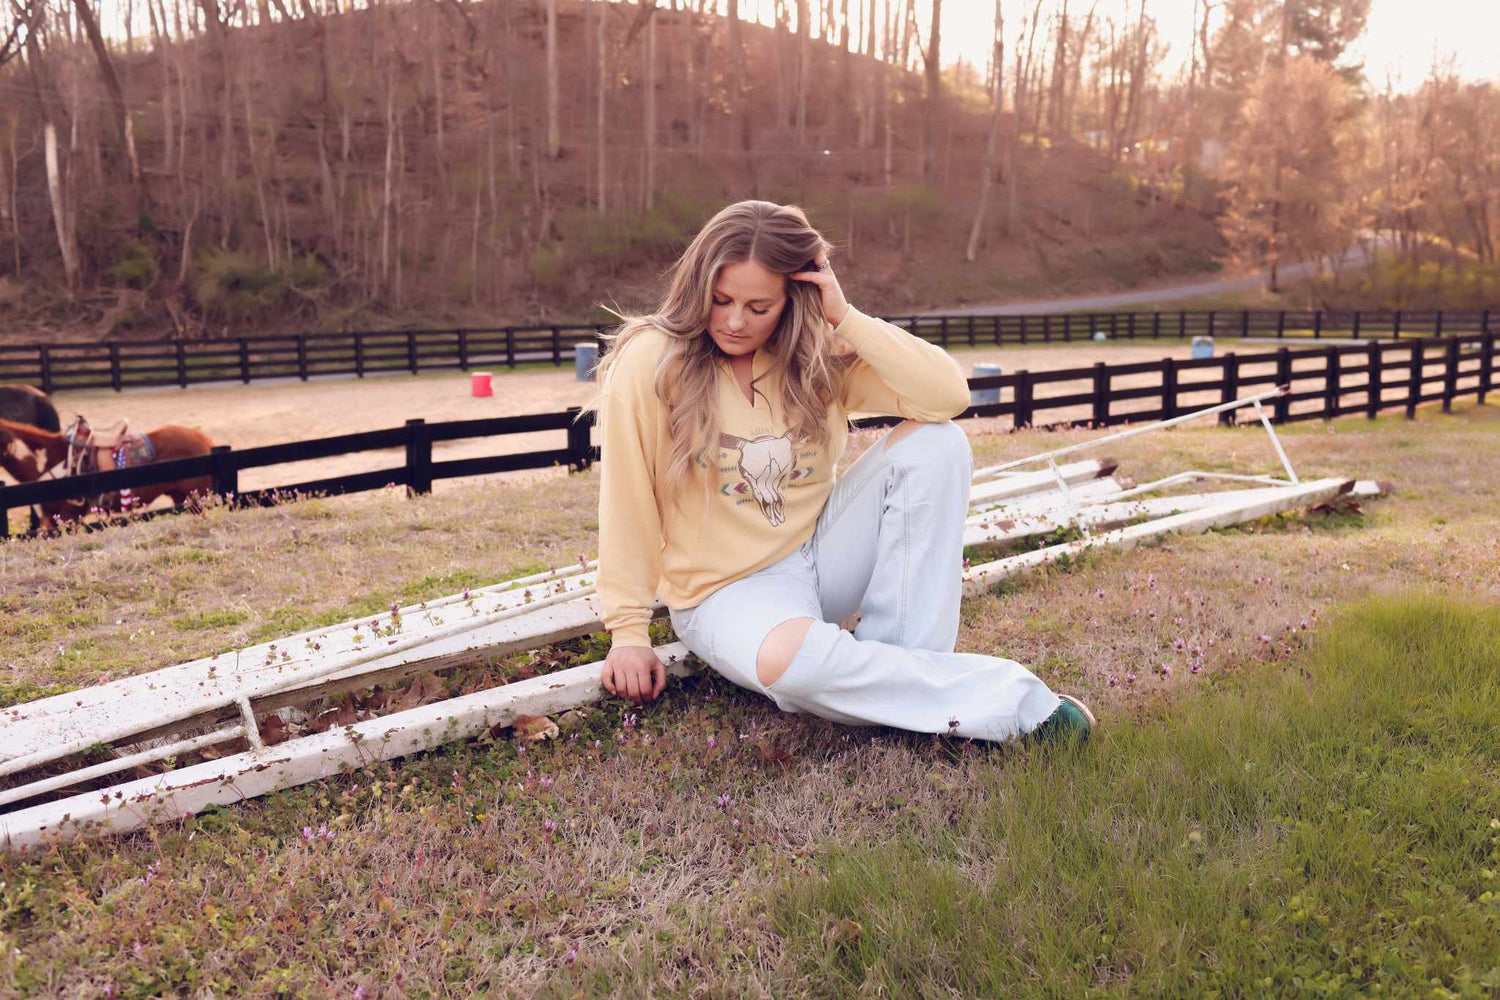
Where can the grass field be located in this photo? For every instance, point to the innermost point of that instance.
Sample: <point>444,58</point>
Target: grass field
<point>1313,811</point>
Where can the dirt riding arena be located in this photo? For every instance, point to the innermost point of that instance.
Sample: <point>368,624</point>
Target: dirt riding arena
<point>262,413</point>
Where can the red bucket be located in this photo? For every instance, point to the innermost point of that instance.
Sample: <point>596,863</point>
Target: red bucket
<point>479,384</point>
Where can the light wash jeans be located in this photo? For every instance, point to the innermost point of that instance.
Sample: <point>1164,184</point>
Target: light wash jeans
<point>889,543</point>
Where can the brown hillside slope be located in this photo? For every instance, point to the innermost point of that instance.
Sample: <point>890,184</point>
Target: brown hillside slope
<point>387,167</point>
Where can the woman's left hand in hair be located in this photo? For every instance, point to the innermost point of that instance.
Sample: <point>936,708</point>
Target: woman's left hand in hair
<point>835,306</point>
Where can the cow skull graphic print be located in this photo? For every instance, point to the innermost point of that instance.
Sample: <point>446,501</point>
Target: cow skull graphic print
<point>767,466</point>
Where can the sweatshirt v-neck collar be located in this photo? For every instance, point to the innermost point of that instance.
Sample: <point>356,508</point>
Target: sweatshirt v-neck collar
<point>760,364</point>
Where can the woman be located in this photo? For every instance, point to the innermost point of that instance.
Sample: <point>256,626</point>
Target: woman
<point>723,416</point>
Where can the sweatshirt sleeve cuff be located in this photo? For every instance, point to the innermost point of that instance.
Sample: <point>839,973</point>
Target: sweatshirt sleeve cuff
<point>630,635</point>
<point>851,328</point>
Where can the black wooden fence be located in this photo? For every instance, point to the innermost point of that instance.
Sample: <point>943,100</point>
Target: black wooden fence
<point>116,365</point>
<point>1403,375</point>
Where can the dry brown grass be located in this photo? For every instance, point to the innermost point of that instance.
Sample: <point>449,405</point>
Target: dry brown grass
<point>442,877</point>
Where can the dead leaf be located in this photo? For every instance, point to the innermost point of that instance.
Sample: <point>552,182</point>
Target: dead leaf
<point>535,728</point>
<point>774,753</point>
<point>272,730</point>
<point>424,689</point>
<point>341,715</point>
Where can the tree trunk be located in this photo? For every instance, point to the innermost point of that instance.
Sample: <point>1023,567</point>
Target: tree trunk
<point>62,211</point>
<point>804,53</point>
<point>735,56</point>
<point>510,87</point>
<point>1059,72</point>
<point>648,180</point>
<point>388,196</point>
<point>266,222</point>
<point>600,105</point>
<point>997,102</point>
<point>554,132</point>
<point>112,84</point>
<point>935,109</point>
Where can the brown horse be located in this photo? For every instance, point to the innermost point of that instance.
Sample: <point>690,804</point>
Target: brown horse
<point>27,405</point>
<point>49,449</point>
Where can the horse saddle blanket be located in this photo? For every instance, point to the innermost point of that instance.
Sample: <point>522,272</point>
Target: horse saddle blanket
<point>124,453</point>
<point>134,450</point>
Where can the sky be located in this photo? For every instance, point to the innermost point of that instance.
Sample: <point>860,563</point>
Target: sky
<point>1401,36</point>
<point>1400,41</point>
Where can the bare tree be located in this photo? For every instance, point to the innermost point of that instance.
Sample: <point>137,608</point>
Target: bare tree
<point>997,104</point>
<point>554,132</point>
<point>648,181</point>
<point>602,99</point>
<point>111,83</point>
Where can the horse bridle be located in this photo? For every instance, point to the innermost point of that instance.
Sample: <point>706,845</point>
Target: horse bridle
<point>77,450</point>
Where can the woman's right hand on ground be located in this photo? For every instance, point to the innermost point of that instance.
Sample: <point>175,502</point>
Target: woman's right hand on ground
<point>634,672</point>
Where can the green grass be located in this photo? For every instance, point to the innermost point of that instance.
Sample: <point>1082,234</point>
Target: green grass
<point>1331,831</point>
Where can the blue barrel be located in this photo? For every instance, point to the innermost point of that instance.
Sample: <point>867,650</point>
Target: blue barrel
<point>977,396</point>
<point>1203,347</point>
<point>585,357</point>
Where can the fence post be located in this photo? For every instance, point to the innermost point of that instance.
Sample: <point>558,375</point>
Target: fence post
<point>1437,324</point>
<point>1023,328</point>
<point>1318,325</point>
<point>1244,323</point>
<point>1156,326</point>
<point>114,365</point>
<point>579,445</point>
<point>1283,377</point>
<point>1372,390</point>
<point>244,360</point>
<point>302,357</point>
<point>1331,380</point>
<point>510,346</point>
<point>1067,327</point>
<point>1022,415</point>
<point>411,351</point>
<point>1168,388</point>
<point>359,355</point>
<point>1231,387</point>
<point>971,329</point>
<point>999,326</point>
<point>1046,327</point>
<point>1356,324</point>
<point>226,474</point>
<point>1210,322</point>
<point>418,457</point>
<point>1101,394</point>
<point>1130,325</point>
<point>463,350</point>
<point>1396,324</point>
<point>1414,383</point>
<point>1281,325</point>
<point>1114,325</point>
<point>181,364</point>
<point>1450,376</point>
<point>557,347</point>
<point>1486,365</point>
<point>44,357</point>
<point>4,515</point>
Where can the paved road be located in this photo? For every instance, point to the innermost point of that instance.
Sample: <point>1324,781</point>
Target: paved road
<point>1118,300</point>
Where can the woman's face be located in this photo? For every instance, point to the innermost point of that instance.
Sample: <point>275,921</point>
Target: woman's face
<point>748,300</point>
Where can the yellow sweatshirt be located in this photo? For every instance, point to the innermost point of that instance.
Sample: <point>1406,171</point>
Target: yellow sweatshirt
<point>768,489</point>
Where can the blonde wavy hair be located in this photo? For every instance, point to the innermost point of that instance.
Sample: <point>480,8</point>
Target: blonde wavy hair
<point>780,239</point>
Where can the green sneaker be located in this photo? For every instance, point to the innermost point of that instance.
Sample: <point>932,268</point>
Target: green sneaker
<point>1071,719</point>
